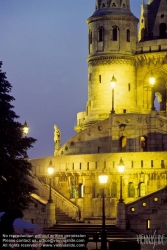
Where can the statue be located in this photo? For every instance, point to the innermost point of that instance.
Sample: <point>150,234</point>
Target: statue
<point>57,138</point>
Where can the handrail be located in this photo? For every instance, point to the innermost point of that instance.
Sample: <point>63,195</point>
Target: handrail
<point>67,206</point>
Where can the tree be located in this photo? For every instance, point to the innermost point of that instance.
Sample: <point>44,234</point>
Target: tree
<point>15,170</point>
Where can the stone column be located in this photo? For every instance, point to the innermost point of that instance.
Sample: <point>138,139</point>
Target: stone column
<point>121,216</point>
<point>50,214</point>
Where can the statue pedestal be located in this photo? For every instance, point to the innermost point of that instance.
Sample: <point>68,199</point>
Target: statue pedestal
<point>121,217</point>
<point>50,214</point>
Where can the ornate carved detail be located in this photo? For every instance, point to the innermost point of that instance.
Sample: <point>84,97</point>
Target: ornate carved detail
<point>150,59</point>
<point>110,60</point>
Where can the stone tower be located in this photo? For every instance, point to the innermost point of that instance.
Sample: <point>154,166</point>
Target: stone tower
<point>112,34</point>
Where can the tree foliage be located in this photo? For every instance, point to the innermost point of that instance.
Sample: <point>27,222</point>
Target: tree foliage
<point>15,170</point>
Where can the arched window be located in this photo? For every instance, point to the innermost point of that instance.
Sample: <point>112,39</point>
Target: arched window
<point>123,142</point>
<point>143,143</point>
<point>80,190</point>
<point>162,30</point>
<point>114,34</point>
<point>114,190</point>
<point>90,37</point>
<point>128,35</point>
<point>131,189</point>
<point>73,190</point>
<point>100,34</point>
<point>142,190</point>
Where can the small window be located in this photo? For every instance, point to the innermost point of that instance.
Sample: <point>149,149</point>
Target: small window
<point>73,166</point>
<point>128,86</point>
<point>162,164</point>
<point>80,166</point>
<point>143,34</point>
<point>144,204</point>
<point>128,35</point>
<point>132,164</point>
<point>87,165</point>
<point>99,78</point>
<point>155,199</point>
<point>104,164</point>
<point>96,165</point>
<point>132,209</point>
<point>113,164</point>
<point>152,163</point>
<point>141,163</point>
<point>114,34</point>
<point>90,76</point>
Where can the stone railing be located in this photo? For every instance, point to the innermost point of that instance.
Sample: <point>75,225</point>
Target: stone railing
<point>67,206</point>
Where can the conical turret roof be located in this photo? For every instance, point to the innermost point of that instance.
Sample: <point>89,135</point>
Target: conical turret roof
<point>112,7</point>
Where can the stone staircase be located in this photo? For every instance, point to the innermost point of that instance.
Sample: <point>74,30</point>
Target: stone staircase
<point>89,229</point>
<point>62,217</point>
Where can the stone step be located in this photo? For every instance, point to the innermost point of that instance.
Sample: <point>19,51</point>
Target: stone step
<point>89,230</point>
<point>62,217</point>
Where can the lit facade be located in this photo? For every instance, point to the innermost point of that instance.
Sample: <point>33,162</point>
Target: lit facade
<point>134,133</point>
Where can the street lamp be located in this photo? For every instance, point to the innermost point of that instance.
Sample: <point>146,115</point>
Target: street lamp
<point>113,84</point>
<point>121,168</point>
<point>25,129</point>
<point>152,81</point>
<point>50,172</point>
<point>103,180</point>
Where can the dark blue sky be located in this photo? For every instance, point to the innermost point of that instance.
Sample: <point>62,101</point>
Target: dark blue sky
<point>43,47</point>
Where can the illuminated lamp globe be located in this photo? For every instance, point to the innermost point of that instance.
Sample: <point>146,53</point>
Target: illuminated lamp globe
<point>113,82</point>
<point>103,178</point>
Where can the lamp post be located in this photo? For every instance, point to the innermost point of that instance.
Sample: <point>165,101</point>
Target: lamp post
<point>121,168</point>
<point>50,172</point>
<point>152,81</point>
<point>25,129</point>
<point>113,84</point>
<point>103,180</point>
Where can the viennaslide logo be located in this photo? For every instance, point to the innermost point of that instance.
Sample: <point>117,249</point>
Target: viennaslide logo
<point>151,239</point>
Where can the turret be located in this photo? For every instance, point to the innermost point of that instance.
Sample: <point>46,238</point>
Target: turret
<point>112,36</point>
